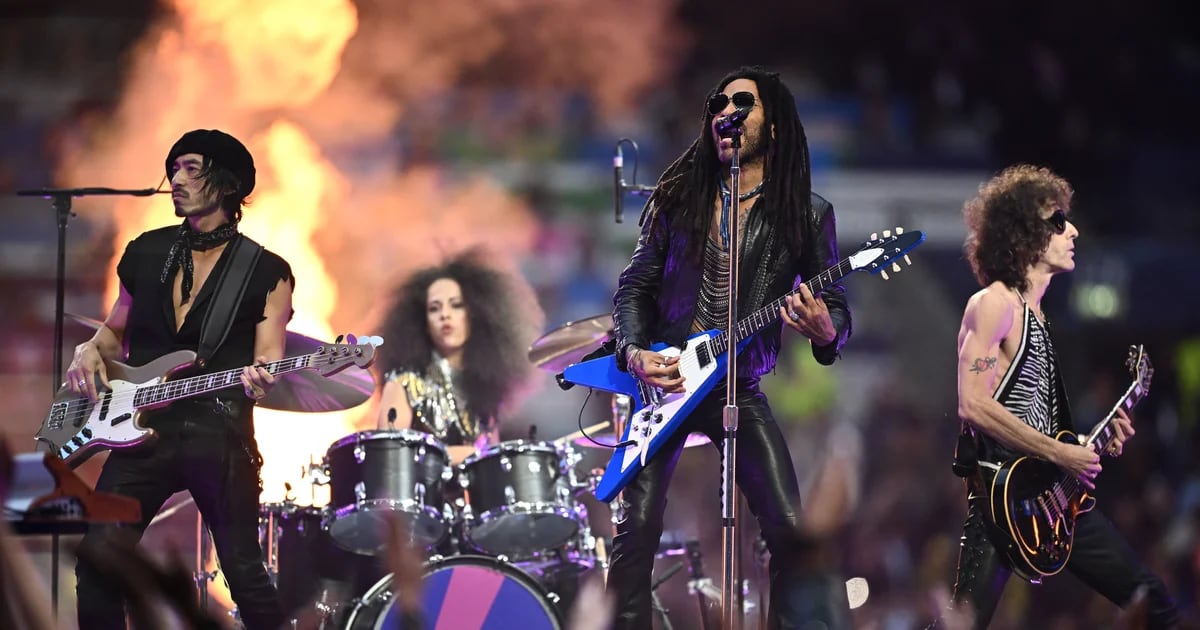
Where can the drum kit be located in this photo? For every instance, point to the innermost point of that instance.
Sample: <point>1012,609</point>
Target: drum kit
<point>504,532</point>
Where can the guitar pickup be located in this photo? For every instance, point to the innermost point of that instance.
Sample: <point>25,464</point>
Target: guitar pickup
<point>121,418</point>
<point>702,355</point>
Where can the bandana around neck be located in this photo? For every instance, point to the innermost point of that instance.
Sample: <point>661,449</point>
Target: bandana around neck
<point>187,240</point>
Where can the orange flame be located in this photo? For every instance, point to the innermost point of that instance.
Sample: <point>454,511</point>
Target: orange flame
<point>279,75</point>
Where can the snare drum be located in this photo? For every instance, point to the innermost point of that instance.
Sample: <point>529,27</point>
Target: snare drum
<point>464,593</point>
<point>376,473</point>
<point>519,498</point>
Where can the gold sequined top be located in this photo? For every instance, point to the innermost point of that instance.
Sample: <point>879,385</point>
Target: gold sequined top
<point>436,401</point>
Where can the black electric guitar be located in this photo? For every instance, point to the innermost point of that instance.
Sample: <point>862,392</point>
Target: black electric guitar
<point>77,428</point>
<point>1035,503</point>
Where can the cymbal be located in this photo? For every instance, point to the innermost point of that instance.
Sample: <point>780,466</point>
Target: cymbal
<point>302,390</point>
<point>607,439</point>
<point>565,345</point>
<point>307,390</point>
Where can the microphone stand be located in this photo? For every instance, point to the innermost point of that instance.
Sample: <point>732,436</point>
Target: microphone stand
<point>731,615</point>
<point>60,200</point>
<point>621,187</point>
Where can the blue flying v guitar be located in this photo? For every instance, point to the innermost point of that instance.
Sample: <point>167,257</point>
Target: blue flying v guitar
<point>702,364</point>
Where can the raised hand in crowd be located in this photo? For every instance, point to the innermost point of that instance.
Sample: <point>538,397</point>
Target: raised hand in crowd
<point>158,597</point>
<point>24,602</point>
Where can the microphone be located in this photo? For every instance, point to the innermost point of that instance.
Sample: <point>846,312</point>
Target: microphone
<point>619,185</point>
<point>727,124</point>
<point>392,419</point>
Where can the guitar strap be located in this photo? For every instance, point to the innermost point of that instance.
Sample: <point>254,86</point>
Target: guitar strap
<point>230,289</point>
<point>1065,422</point>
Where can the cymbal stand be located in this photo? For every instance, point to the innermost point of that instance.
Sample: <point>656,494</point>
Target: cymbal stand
<point>622,406</point>
<point>656,603</point>
<point>761,559</point>
<point>699,585</point>
<point>202,577</point>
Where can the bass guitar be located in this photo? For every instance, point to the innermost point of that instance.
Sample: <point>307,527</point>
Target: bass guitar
<point>702,364</point>
<point>1034,503</point>
<point>78,427</point>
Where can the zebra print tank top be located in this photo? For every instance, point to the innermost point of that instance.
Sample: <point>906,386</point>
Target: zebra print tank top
<point>1028,388</point>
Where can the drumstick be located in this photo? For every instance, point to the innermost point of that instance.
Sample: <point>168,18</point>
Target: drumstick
<point>578,434</point>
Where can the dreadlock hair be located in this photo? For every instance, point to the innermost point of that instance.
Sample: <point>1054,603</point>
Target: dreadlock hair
<point>690,184</point>
<point>1006,232</point>
<point>504,319</point>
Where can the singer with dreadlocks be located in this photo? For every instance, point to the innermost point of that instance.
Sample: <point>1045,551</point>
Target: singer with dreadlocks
<point>675,285</point>
<point>205,444</point>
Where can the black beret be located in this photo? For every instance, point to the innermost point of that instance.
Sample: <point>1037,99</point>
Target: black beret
<point>221,148</point>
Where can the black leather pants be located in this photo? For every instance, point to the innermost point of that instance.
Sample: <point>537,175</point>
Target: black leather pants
<point>205,457</point>
<point>1101,559</point>
<point>800,596</point>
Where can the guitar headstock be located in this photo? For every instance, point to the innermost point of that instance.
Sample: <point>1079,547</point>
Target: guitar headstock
<point>358,351</point>
<point>1139,366</point>
<point>875,254</point>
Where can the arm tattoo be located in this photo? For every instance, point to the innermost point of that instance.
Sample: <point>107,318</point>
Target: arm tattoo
<point>983,364</point>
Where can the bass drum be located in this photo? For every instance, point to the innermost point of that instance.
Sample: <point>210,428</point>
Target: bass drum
<point>464,593</point>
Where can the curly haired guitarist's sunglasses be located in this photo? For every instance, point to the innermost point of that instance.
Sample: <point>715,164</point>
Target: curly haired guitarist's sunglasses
<point>1058,221</point>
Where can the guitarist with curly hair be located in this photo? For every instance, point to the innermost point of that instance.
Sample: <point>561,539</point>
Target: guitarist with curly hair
<point>1012,403</point>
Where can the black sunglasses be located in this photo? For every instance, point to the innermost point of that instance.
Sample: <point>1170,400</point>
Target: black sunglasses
<point>1058,221</point>
<point>717,102</point>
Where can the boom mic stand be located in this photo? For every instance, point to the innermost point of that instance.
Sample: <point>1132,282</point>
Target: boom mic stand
<point>619,185</point>
<point>60,200</point>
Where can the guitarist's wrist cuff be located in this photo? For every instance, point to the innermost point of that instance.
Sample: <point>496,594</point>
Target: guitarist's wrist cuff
<point>631,354</point>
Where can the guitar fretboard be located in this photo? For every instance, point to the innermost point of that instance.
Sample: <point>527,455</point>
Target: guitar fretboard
<point>196,385</point>
<point>1104,433</point>
<point>769,313</point>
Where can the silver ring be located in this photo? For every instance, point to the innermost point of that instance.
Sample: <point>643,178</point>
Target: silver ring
<point>794,316</point>
<point>83,382</point>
